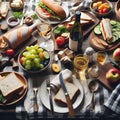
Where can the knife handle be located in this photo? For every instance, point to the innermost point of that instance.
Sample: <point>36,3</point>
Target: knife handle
<point>69,104</point>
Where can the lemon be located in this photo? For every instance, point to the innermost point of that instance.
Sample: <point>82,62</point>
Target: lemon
<point>46,55</point>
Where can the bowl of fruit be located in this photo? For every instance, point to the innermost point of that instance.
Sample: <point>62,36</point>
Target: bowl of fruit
<point>34,59</point>
<point>101,8</point>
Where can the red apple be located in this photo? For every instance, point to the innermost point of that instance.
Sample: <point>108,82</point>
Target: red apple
<point>116,55</point>
<point>113,75</point>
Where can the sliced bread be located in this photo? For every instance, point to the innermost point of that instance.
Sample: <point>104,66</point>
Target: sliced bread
<point>10,85</point>
<point>73,91</point>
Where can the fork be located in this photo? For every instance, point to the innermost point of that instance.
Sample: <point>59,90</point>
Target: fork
<point>50,95</point>
<point>35,90</point>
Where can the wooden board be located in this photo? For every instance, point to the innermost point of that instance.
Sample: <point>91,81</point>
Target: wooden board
<point>86,29</point>
<point>98,43</point>
<point>102,79</point>
<point>30,41</point>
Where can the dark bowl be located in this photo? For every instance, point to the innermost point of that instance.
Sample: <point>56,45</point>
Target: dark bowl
<point>45,62</point>
<point>95,10</point>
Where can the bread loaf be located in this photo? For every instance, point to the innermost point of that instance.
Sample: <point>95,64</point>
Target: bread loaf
<point>73,91</point>
<point>10,85</point>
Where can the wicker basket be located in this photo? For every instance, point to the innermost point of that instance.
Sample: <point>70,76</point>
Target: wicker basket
<point>117,10</point>
<point>16,8</point>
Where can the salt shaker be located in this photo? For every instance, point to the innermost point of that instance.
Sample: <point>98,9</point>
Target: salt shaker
<point>89,52</point>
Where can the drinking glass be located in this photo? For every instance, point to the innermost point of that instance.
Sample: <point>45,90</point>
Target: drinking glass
<point>80,65</point>
<point>101,57</point>
<point>45,32</point>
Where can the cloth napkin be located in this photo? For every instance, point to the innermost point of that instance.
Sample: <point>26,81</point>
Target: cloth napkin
<point>113,103</point>
<point>55,83</point>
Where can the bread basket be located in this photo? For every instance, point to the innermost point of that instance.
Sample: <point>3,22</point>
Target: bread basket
<point>117,10</point>
<point>16,7</point>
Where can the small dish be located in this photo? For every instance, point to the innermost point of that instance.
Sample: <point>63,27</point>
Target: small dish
<point>12,21</point>
<point>101,8</point>
<point>16,5</point>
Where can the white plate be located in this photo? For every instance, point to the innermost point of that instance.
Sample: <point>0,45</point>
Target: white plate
<point>58,21</point>
<point>60,109</point>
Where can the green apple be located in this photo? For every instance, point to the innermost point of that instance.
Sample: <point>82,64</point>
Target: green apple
<point>113,75</point>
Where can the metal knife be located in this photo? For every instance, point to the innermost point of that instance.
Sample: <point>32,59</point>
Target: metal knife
<point>69,103</point>
<point>114,64</point>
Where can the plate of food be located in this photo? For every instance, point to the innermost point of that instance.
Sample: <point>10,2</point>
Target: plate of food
<point>62,30</point>
<point>75,91</point>
<point>105,35</point>
<point>13,88</point>
<point>52,11</point>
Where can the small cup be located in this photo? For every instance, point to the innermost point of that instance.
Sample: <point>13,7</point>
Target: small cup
<point>101,57</point>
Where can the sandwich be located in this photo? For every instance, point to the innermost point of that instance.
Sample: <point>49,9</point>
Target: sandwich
<point>50,9</point>
<point>73,92</point>
<point>106,29</point>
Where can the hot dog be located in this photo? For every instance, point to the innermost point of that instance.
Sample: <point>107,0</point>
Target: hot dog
<point>50,9</point>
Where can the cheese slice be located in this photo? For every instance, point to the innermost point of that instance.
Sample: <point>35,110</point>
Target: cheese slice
<point>10,84</point>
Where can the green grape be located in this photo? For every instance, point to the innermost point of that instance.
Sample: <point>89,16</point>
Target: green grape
<point>28,48</point>
<point>33,56</point>
<point>28,67</point>
<point>40,50</point>
<point>28,62</point>
<point>41,66</point>
<point>25,53</point>
<point>36,47</point>
<point>36,60</point>
<point>33,51</point>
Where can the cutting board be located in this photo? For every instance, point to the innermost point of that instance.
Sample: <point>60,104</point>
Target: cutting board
<point>102,79</point>
<point>98,43</point>
<point>86,29</point>
<point>30,41</point>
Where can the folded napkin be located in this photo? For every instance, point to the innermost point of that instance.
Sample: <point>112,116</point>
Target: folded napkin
<point>55,83</point>
<point>113,103</point>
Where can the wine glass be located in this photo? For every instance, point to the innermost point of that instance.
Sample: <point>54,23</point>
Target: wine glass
<point>45,32</point>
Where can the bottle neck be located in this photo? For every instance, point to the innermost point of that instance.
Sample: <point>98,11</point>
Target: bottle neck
<point>34,26</point>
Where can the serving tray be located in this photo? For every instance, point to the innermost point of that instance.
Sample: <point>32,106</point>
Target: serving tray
<point>86,29</point>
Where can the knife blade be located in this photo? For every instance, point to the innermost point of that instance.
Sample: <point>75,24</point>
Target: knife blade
<point>69,103</point>
<point>114,64</point>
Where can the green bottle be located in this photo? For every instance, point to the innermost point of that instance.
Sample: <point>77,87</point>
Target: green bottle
<point>76,35</point>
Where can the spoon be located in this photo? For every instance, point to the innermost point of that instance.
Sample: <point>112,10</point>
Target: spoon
<point>93,86</point>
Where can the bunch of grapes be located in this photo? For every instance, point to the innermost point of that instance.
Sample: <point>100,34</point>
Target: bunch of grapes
<point>34,58</point>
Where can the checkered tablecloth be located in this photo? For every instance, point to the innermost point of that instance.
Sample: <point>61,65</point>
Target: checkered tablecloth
<point>25,109</point>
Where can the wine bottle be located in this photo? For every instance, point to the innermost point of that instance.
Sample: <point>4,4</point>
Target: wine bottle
<point>17,36</point>
<point>76,35</point>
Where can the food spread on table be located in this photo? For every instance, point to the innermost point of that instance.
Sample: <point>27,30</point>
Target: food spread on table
<point>104,36</point>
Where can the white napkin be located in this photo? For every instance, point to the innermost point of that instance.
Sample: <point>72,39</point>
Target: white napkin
<point>55,83</point>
